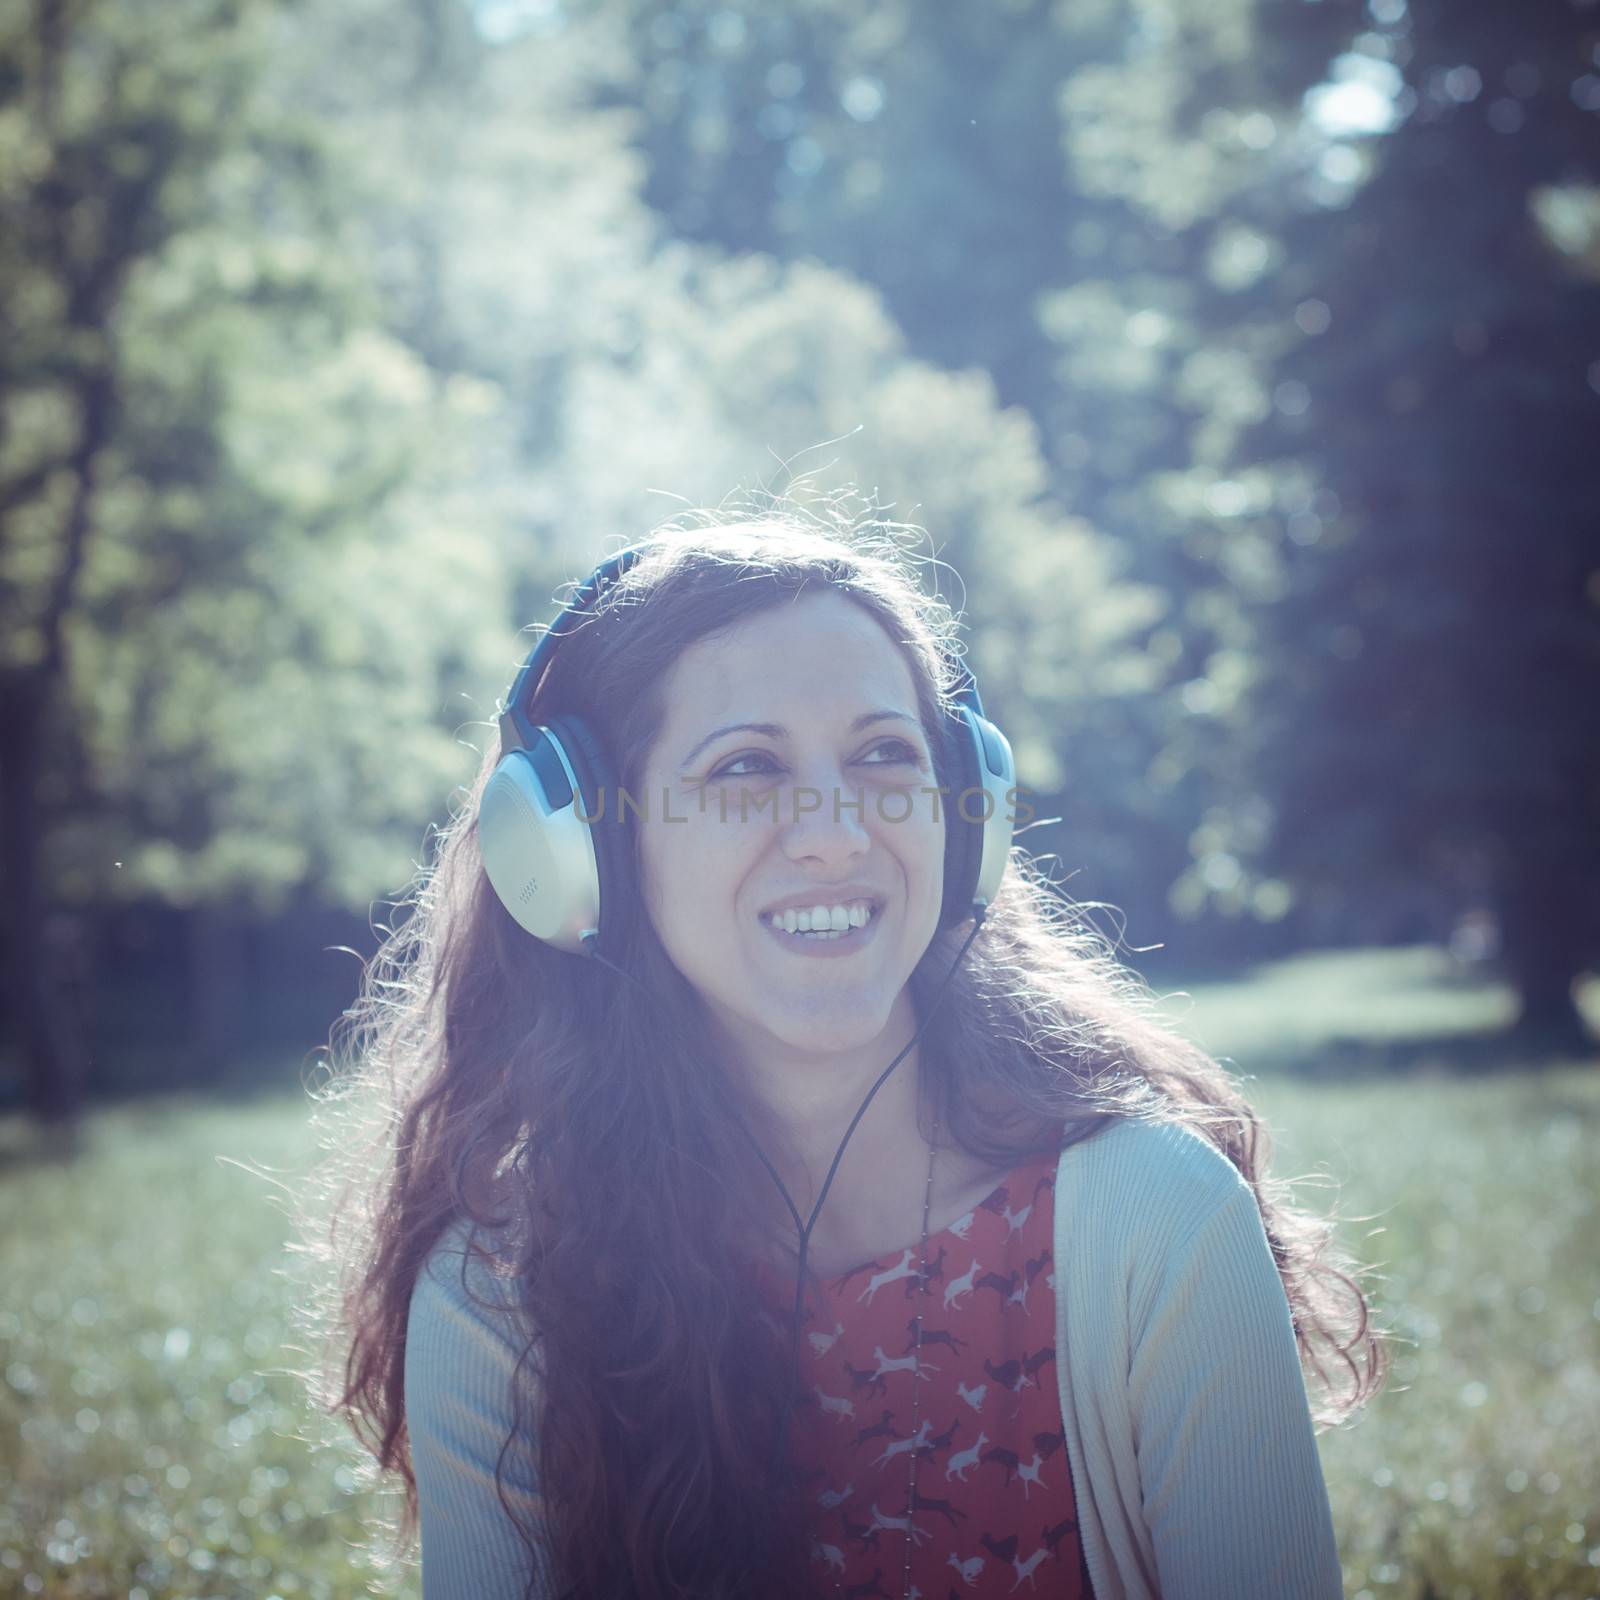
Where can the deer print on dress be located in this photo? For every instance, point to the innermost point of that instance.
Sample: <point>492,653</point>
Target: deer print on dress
<point>1010,1376</point>
<point>969,1569</point>
<point>901,1446</point>
<point>886,1364</point>
<point>884,1430</point>
<point>860,1378</point>
<point>893,1275</point>
<point>1005,1552</point>
<point>932,1338</point>
<point>973,1397</point>
<point>962,1286</point>
<point>1054,1536</point>
<point>1019,1295</point>
<point>840,1406</point>
<point>933,1272</point>
<point>822,1343</point>
<point>1005,1286</point>
<point>1028,1472</point>
<point>994,1510</point>
<point>873,1586</point>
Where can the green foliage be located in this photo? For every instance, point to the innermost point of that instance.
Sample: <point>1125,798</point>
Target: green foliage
<point>799,371</point>
<point>155,1441</point>
<point>698,370</point>
<point>258,660</point>
<point>1428,650</point>
<point>359,424</point>
<point>263,655</point>
<point>316,382</point>
<point>1473,1474</point>
<point>918,151</point>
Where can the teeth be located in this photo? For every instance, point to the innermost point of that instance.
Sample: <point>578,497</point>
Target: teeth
<point>822,922</point>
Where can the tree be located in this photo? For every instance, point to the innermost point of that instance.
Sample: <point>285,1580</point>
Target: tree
<point>691,367</point>
<point>747,372</point>
<point>205,541</point>
<point>391,355</point>
<point>1424,707</point>
<point>918,149</point>
<point>101,150</point>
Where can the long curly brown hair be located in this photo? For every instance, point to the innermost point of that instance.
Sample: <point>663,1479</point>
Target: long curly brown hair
<point>585,1127</point>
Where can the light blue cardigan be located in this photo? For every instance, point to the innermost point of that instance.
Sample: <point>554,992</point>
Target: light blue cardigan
<point>1193,1455</point>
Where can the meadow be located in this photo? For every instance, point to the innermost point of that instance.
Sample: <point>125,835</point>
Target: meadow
<point>154,1445</point>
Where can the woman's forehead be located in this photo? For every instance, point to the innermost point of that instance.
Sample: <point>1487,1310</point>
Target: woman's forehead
<point>816,630</point>
<point>818,658</point>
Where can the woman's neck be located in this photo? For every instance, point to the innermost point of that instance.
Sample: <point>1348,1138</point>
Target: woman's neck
<point>804,1105</point>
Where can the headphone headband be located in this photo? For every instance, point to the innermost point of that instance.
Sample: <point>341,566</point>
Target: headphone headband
<point>557,856</point>
<point>516,727</point>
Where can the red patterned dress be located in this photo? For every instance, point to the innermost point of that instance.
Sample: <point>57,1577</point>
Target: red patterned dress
<point>995,1509</point>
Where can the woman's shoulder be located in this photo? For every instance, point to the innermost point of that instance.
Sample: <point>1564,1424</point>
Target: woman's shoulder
<point>467,1387</point>
<point>1135,1179</point>
<point>460,1298</point>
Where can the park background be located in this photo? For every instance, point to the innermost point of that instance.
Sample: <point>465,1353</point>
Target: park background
<point>1242,357</point>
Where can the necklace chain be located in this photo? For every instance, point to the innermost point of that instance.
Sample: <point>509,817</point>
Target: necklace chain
<point>916,1377</point>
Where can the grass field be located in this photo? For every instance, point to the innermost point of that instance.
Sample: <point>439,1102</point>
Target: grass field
<point>152,1447</point>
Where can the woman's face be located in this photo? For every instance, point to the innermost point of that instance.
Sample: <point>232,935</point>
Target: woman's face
<point>773,732</point>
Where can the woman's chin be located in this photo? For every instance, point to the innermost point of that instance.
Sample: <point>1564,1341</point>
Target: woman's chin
<point>824,1016</point>
<point>832,1026</point>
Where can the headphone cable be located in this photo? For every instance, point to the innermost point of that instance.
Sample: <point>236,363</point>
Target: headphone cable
<point>591,946</point>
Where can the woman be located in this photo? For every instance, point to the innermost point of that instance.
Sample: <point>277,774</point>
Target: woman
<point>706,947</point>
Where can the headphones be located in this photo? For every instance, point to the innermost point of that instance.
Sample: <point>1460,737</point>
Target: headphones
<point>558,857</point>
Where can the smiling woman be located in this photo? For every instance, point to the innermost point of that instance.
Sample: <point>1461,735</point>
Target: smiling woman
<point>671,1156</point>
<point>802,1025</point>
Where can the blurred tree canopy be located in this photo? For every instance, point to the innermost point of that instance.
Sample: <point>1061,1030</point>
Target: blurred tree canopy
<point>1268,222</point>
<point>221,476</point>
<point>1405,506</point>
<point>1438,384</point>
<point>1219,347</point>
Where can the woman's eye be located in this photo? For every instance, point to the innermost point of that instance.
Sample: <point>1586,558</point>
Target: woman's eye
<point>892,752</point>
<point>727,770</point>
<point>898,753</point>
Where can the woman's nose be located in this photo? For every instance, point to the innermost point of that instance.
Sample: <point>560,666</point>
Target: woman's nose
<point>824,818</point>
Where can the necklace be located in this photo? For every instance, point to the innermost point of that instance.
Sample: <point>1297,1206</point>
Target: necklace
<point>916,1378</point>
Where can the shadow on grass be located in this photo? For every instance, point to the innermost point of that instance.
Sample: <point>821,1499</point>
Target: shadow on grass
<point>1347,1057</point>
<point>260,1079</point>
<point>25,1144</point>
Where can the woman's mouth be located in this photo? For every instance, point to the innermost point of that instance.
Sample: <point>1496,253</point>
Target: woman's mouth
<point>825,928</point>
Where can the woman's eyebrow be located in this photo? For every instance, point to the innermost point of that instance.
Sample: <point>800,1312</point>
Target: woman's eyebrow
<point>774,730</point>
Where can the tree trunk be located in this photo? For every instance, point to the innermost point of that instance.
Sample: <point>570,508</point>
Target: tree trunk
<point>48,1035</point>
<point>216,992</point>
<point>1544,915</point>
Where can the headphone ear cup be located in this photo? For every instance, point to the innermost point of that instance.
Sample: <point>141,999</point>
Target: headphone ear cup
<point>601,799</point>
<point>976,850</point>
<point>963,840</point>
